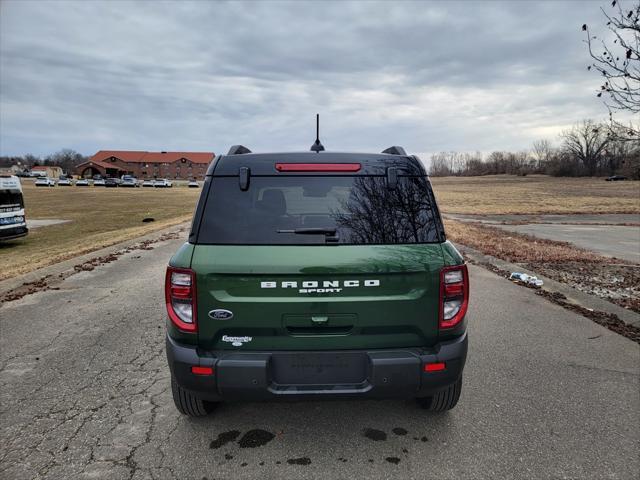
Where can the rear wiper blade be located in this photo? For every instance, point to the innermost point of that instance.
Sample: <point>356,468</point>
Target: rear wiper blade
<point>310,231</point>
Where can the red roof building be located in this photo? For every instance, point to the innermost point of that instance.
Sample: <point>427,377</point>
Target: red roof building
<point>142,164</point>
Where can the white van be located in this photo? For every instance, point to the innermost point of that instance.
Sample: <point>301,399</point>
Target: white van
<point>12,221</point>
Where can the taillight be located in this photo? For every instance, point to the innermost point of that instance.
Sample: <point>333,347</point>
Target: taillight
<point>454,295</point>
<point>180,296</point>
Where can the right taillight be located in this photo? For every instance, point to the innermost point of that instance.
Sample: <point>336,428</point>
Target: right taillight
<point>454,295</point>
<point>180,296</point>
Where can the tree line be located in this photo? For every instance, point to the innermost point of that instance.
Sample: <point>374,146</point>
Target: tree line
<point>66,159</point>
<point>586,149</point>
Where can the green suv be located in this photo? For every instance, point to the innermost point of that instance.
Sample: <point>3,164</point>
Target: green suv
<point>316,274</point>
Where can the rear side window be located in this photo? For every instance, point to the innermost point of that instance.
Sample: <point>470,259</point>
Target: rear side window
<point>303,210</point>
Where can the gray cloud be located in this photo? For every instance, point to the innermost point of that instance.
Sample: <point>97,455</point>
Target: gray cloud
<point>203,76</point>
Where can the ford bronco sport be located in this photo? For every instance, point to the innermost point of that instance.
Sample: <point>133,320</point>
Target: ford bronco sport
<point>316,275</point>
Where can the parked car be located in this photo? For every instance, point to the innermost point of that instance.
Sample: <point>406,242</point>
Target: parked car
<point>64,181</point>
<point>162,183</point>
<point>615,178</point>
<point>337,280</point>
<point>193,184</point>
<point>99,183</point>
<point>111,182</point>
<point>83,182</point>
<point>12,217</point>
<point>45,182</point>
<point>129,181</point>
<point>148,183</point>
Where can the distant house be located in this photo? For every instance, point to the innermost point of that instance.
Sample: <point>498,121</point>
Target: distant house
<point>46,171</point>
<point>12,170</point>
<point>142,164</point>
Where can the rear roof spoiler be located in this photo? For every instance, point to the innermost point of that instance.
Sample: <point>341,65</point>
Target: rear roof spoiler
<point>395,150</point>
<point>265,163</point>
<point>238,150</point>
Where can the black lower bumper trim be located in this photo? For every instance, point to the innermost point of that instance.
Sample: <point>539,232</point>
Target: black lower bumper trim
<point>273,375</point>
<point>14,232</point>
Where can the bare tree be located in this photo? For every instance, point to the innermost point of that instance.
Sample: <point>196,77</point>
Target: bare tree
<point>619,64</point>
<point>586,142</point>
<point>439,165</point>
<point>541,152</point>
<point>66,158</point>
<point>622,157</point>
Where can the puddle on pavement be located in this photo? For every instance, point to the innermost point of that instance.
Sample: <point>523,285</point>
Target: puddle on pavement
<point>259,437</point>
<point>375,435</point>
<point>255,438</point>
<point>224,438</point>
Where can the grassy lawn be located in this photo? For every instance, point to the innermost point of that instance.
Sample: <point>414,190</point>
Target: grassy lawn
<point>535,194</point>
<point>99,217</point>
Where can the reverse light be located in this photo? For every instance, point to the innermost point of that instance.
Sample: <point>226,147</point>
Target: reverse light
<point>454,295</point>
<point>180,298</point>
<point>318,167</point>
<point>453,276</point>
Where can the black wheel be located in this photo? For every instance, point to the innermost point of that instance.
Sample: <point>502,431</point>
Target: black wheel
<point>444,400</point>
<point>187,403</point>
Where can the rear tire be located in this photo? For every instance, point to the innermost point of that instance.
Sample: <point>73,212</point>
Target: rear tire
<point>187,403</point>
<point>444,400</point>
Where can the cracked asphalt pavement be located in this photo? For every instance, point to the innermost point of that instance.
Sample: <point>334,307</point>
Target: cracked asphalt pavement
<point>84,390</point>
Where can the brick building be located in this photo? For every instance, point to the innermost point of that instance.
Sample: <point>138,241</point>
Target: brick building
<point>172,165</point>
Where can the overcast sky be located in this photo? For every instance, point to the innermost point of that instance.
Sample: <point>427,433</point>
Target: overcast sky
<point>202,76</point>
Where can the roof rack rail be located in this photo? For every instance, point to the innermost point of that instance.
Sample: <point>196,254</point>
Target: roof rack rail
<point>238,150</point>
<point>395,150</point>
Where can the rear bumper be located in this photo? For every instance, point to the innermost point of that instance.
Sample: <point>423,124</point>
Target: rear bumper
<point>390,373</point>
<point>9,233</point>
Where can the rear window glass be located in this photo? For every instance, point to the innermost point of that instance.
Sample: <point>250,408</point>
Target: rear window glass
<point>9,198</point>
<point>303,210</point>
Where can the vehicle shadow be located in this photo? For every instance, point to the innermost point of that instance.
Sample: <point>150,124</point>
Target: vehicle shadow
<point>7,245</point>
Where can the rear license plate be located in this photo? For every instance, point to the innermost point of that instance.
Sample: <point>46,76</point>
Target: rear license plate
<point>319,368</point>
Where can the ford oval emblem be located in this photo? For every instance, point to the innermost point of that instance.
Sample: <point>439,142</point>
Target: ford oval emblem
<point>220,314</point>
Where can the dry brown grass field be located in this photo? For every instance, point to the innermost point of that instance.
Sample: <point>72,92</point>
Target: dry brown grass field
<point>608,278</point>
<point>102,217</point>
<point>99,216</point>
<point>535,194</point>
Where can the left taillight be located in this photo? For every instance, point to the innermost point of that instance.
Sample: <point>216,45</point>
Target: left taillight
<point>180,297</point>
<point>454,295</point>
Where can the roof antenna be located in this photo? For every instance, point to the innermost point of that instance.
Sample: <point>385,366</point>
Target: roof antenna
<point>317,146</point>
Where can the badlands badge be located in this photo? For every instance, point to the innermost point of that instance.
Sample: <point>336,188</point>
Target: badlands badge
<point>236,341</point>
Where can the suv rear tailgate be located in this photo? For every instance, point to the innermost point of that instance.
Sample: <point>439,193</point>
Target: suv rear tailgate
<point>318,297</point>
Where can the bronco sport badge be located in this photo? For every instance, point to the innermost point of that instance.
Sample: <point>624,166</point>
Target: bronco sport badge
<point>327,286</point>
